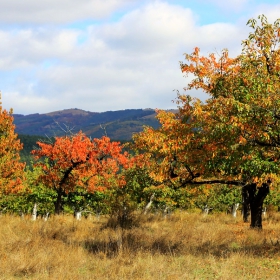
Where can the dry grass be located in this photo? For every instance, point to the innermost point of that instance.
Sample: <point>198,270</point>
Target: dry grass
<point>184,246</point>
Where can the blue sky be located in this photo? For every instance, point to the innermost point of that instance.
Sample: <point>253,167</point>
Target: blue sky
<point>101,55</point>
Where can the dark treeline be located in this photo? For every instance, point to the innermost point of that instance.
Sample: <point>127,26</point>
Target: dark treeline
<point>29,144</point>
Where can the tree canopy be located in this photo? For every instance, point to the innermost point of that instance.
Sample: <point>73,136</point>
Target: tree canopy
<point>11,169</point>
<point>77,161</point>
<point>234,136</point>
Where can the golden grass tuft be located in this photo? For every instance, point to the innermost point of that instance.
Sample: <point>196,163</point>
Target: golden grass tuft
<point>182,246</point>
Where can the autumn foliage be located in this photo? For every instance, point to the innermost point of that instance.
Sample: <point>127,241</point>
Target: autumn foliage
<point>233,137</point>
<point>11,169</point>
<point>230,139</point>
<point>76,161</point>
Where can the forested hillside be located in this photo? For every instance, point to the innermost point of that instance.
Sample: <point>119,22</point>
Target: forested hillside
<point>29,144</point>
<point>119,125</point>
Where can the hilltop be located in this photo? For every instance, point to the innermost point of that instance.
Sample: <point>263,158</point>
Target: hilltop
<point>119,125</point>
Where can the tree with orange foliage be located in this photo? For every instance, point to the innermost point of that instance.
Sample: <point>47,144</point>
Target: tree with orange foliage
<point>233,137</point>
<point>75,161</point>
<point>11,169</point>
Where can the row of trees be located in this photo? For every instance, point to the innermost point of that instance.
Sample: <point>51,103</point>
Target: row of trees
<point>232,139</point>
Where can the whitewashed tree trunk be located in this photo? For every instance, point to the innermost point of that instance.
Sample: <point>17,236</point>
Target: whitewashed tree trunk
<point>205,210</point>
<point>264,211</point>
<point>78,215</point>
<point>149,204</point>
<point>46,216</point>
<point>234,209</point>
<point>34,212</point>
<point>166,212</point>
<point>97,216</point>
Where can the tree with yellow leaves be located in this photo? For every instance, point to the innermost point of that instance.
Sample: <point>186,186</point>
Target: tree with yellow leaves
<point>234,136</point>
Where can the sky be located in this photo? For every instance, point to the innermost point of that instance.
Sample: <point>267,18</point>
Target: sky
<point>107,55</point>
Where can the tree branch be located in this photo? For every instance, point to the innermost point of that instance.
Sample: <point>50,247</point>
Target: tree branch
<point>215,181</point>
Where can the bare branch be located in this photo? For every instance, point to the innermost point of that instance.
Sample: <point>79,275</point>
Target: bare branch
<point>104,128</point>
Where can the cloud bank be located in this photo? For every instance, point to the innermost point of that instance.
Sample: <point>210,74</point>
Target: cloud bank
<point>106,55</point>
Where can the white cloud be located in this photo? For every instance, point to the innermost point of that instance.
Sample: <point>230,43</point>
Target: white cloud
<point>272,12</point>
<point>53,11</point>
<point>29,47</point>
<point>132,62</point>
<point>26,103</point>
<point>157,25</point>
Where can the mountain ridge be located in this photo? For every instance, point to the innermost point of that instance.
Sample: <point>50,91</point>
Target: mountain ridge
<point>119,125</point>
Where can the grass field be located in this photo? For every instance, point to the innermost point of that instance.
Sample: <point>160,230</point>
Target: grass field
<point>182,246</point>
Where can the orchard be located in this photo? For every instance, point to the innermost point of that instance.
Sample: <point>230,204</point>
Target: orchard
<point>217,152</point>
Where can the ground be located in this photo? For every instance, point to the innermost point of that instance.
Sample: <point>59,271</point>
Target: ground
<point>181,246</point>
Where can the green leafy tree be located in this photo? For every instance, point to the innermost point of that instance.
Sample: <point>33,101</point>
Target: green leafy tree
<point>37,193</point>
<point>124,201</point>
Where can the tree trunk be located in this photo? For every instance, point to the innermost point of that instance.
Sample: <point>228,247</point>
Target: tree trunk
<point>78,214</point>
<point>206,210</point>
<point>149,204</point>
<point>245,204</point>
<point>46,216</point>
<point>34,212</point>
<point>166,212</point>
<point>264,211</point>
<point>60,192</point>
<point>58,203</point>
<point>234,210</point>
<point>256,198</point>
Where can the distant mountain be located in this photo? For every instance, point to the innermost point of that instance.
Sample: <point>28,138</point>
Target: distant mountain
<point>118,125</point>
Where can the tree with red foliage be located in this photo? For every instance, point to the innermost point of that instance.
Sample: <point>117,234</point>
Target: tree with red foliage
<point>75,161</point>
